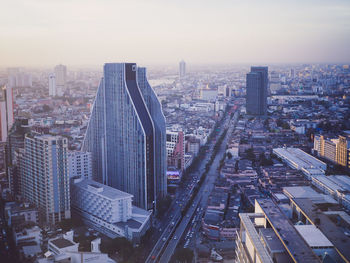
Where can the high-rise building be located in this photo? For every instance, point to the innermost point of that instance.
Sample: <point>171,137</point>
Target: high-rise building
<point>3,121</point>
<point>44,176</point>
<point>80,164</point>
<point>60,79</point>
<point>16,78</point>
<point>182,69</point>
<point>292,73</point>
<point>6,112</point>
<point>335,150</point>
<point>15,142</point>
<point>126,135</point>
<point>175,145</point>
<point>52,85</point>
<point>11,76</point>
<point>256,99</point>
<point>342,150</point>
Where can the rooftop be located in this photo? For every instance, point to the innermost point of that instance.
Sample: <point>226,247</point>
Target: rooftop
<point>326,225</point>
<point>307,192</point>
<point>299,158</point>
<point>296,246</point>
<point>271,240</point>
<point>101,189</point>
<point>313,236</point>
<point>335,182</point>
<point>62,242</point>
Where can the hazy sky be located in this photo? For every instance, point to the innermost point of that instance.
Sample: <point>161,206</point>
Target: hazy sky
<point>92,32</point>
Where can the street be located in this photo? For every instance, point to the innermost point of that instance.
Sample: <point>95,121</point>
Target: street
<point>175,224</point>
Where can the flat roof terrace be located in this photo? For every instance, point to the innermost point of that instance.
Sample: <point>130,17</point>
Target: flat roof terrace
<point>340,241</point>
<point>294,243</point>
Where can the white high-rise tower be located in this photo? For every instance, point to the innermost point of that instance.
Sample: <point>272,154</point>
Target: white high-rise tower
<point>52,85</point>
<point>60,79</point>
<point>182,69</point>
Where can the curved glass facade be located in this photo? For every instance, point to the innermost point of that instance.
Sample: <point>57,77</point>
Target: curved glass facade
<point>126,135</point>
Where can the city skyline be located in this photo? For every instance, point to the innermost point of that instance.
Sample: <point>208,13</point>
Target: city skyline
<point>159,32</point>
<point>174,131</point>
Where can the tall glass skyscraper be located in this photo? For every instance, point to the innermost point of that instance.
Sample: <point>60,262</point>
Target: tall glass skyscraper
<point>127,136</point>
<point>182,69</point>
<point>256,99</point>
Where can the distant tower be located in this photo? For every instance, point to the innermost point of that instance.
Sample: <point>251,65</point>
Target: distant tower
<point>6,112</point>
<point>60,79</point>
<point>126,135</point>
<point>256,98</point>
<point>182,69</point>
<point>292,73</point>
<point>52,85</point>
<point>44,176</point>
<point>12,76</point>
<point>16,78</point>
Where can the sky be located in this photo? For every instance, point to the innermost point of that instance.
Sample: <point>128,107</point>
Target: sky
<point>92,32</point>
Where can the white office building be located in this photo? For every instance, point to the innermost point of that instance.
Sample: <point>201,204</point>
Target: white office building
<point>44,176</point>
<point>52,85</point>
<point>60,79</point>
<point>108,210</point>
<point>79,164</point>
<point>182,69</point>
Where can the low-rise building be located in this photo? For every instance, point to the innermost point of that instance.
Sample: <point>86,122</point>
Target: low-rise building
<point>25,235</point>
<point>17,214</point>
<point>64,249</point>
<point>109,210</point>
<point>299,159</point>
<point>338,186</point>
<point>268,235</point>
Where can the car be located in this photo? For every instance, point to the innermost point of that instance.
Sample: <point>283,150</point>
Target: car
<point>175,237</point>
<point>164,239</point>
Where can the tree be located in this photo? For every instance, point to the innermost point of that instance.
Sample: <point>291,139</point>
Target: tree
<point>120,245</point>
<point>229,155</point>
<point>286,126</point>
<point>250,154</point>
<point>182,255</point>
<point>68,224</point>
<point>163,206</point>
<point>46,108</point>
<point>266,123</point>
<point>264,161</point>
<point>236,166</point>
